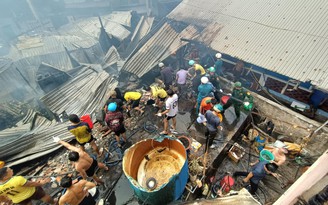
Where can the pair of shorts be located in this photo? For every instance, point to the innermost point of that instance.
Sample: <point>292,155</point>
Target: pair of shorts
<point>88,200</point>
<point>170,117</point>
<point>90,140</point>
<point>92,169</point>
<point>120,131</point>
<point>38,194</point>
<point>135,103</point>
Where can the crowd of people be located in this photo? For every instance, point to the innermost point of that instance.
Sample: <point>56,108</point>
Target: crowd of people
<point>202,83</point>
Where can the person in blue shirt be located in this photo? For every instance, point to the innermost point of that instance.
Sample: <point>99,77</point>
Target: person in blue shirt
<point>258,172</point>
<point>218,64</point>
<point>205,89</point>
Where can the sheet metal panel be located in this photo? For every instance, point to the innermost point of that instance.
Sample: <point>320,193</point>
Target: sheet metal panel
<point>163,43</point>
<point>287,37</point>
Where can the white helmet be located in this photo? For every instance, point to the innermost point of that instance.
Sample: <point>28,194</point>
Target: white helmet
<point>218,55</point>
<point>204,80</point>
<point>160,64</point>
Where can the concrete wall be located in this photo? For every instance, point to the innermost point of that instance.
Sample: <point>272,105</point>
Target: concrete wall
<point>293,124</point>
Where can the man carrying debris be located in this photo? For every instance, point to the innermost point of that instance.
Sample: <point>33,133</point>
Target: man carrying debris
<point>171,112</point>
<point>82,133</point>
<point>83,163</point>
<point>212,124</point>
<point>196,67</point>
<point>20,190</point>
<point>166,75</point>
<point>76,193</point>
<point>133,101</point>
<point>114,120</point>
<point>259,171</point>
<point>239,95</point>
<point>158,94</point>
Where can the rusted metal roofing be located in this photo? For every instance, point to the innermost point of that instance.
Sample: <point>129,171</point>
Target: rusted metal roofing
<point>287,37</point>
<point>90,27</point>
<point>162,44</point>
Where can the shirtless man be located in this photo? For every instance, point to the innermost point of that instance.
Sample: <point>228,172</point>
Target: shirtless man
<point>76,193</point>
<point>83,163</point>
<point>279,156</point>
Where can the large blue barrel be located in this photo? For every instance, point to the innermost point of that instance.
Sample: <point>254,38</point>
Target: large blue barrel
<point>157,169</point>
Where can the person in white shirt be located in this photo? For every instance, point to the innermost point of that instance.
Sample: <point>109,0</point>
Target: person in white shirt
<point>171,111</point>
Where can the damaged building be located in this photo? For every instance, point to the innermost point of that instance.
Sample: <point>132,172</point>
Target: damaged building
<point>276,54</point>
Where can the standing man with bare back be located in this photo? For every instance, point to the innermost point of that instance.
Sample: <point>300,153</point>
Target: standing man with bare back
<point>83,163</point>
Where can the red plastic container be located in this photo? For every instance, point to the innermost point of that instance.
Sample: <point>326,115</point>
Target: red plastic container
<point>226,183</point>
<point>86,118</point>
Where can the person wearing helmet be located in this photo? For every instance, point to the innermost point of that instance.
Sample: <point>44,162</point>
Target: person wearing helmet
<point>166,75</point>
<point>205,89</point>
<point>214,78</point>
<point>196,67</point>
<point>82,132</point>
<point>212,125</point>
<point>258,172</point>
<point>114,120</point>
<point>113,98</point>
<point>218,64</point>
<point>237,98</point>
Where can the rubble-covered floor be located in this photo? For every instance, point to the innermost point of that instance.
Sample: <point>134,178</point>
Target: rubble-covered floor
<point>116,189</point>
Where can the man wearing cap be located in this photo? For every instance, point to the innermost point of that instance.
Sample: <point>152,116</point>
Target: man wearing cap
<point>218,64</point>
<point>82,133</point>
<point>114,120</point>
<point>166,75</point>
<point>237,99</point>
<point>212,124</point>
<point>205,89</point>
<point>196,67</point>
<point>113,98</point>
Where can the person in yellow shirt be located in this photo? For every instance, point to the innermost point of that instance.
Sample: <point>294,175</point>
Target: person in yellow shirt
<point>20,190</point>
<point>158,94</point>
<point>133,101</point>
<point>196,67</point>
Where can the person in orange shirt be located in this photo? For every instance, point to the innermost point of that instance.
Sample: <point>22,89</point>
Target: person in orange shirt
<point>206,104</point>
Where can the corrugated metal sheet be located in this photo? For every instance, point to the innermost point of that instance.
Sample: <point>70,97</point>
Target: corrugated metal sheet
<point>83,94</point>
<point>91,27</point>
<point>287,37</point>
<point>121,17</point>
<point>51,50</point>
<point>163,43</point>
<point>111,57</point>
